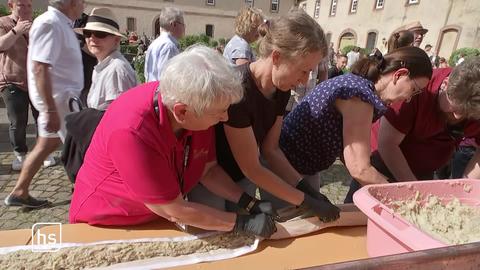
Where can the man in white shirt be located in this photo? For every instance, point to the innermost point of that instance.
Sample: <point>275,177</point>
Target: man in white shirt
<point>55,74</point>
<point>353,57</point>
<point>172,28</point>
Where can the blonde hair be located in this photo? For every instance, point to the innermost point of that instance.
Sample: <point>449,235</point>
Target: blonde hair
<point>292,34</point>
<point>247,21</point>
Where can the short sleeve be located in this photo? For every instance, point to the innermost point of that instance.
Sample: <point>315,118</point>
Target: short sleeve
<point>401,115</point>
<point>239,115</point>
<point>44,43</point>
<point>145,172</point>
<point>281,101</point>
<point>120,82</point>
<point>241,52</point>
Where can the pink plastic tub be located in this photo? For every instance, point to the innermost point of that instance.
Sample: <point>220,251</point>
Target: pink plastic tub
<point>387,232</point>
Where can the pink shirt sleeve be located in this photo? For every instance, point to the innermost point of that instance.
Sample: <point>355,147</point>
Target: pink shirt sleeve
<point>144,169</point>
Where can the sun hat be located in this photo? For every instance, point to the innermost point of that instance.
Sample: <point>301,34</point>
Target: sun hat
<point>416,26</point>
<point>103,20</point>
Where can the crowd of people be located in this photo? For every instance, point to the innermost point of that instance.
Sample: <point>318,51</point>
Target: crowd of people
<point>221,141</point>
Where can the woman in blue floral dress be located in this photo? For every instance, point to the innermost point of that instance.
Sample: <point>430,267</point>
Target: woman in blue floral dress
<point>336,118</point>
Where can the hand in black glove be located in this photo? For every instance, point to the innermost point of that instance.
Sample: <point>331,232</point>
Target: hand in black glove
<point>325,210</point>
<point>306,188</point>
<point>254,206</point>
<point>261,225</point>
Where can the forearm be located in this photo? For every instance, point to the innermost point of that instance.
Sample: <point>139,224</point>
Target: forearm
<point>280,165</point>
<point>267,180</point>
<point>360,168</point>
<point>44,85</point>
<point>396,162</point>
<point>197,215</point>
<point>473,167</point>
<point>369,175</point>
<point>217,181</point>
<point>7,40</point>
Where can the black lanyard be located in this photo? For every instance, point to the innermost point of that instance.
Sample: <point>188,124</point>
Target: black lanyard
<point>181,172</point>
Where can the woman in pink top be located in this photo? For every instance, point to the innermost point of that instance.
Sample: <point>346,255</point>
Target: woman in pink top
<point>150,149</point>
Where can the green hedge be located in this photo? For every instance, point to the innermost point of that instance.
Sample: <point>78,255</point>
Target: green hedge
<point>5,10</point>
<point>129,49</point>
<point>466,51</point>
<point>349,48</point>
<point>189,40</point>
<point>139,66</point>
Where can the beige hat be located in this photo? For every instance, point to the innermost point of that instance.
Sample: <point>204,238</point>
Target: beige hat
<point>416,26</point>
<point>103,20</point>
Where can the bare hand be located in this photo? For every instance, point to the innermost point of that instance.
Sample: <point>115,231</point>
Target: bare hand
<point>22,27</point>
<point>53,122</point>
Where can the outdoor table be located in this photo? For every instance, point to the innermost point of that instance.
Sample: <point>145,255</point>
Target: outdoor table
<point>330,245</point>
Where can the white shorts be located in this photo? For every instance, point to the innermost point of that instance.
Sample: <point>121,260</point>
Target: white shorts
<point>61,102</point>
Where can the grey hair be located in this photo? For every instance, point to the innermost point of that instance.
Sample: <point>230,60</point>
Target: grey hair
<point>59,3</point>
<point>464,87</point>
<point>169,15</point>
<point>199,77</point>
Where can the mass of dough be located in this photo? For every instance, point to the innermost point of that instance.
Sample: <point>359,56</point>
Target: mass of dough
<point>451,223</point>
<point>108,254</point>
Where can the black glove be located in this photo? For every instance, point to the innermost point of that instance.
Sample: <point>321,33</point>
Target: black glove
<point>306,188</point>
<point>261,225</point>
<point>254,206</point>
<point>325,210</point>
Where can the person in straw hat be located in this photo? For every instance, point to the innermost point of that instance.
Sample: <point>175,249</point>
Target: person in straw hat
<point>418,31</point>
<point>113,74</point>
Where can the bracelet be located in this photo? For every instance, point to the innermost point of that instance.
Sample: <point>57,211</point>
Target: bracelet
<point>51,111</point>
<point>14,32</point>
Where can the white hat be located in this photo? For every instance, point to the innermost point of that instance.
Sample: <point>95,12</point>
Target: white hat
<point>103,20</point>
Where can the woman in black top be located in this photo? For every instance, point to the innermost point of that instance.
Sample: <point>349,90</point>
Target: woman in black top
<point>290,47</point>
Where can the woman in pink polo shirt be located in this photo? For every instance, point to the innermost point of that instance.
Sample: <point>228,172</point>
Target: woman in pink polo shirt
<point>151,148</point>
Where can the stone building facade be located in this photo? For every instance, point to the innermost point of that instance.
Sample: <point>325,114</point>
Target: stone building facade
<point>452,24</point>
<point>212,17</point>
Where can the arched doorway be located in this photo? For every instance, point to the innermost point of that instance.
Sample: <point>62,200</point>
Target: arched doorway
<point>347,38</point>
<point>448,41</point>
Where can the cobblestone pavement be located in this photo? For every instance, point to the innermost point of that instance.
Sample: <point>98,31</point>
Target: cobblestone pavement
<point>53,184</point>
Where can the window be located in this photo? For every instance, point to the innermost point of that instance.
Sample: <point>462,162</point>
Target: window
<point>304,6</point>
<point>316,14</point>
<point>328,37</point>
<point>275,6</point>
<point>210,2</point>
<point>411,2</point>
<point>131,24</point>
<point>249,3</point>
<point>353,6</point>
<point>333,8</point>
<point>209,30</point>
<point>379,4</point>
<point>371,41</point>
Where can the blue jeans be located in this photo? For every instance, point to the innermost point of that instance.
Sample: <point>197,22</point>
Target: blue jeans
<point>17,101</point>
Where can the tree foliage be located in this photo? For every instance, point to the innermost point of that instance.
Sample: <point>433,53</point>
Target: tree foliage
<point>467,52</point>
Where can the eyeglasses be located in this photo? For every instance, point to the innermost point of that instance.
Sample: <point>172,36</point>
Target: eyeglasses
<point>97,34</point>
<point>417,90</point>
